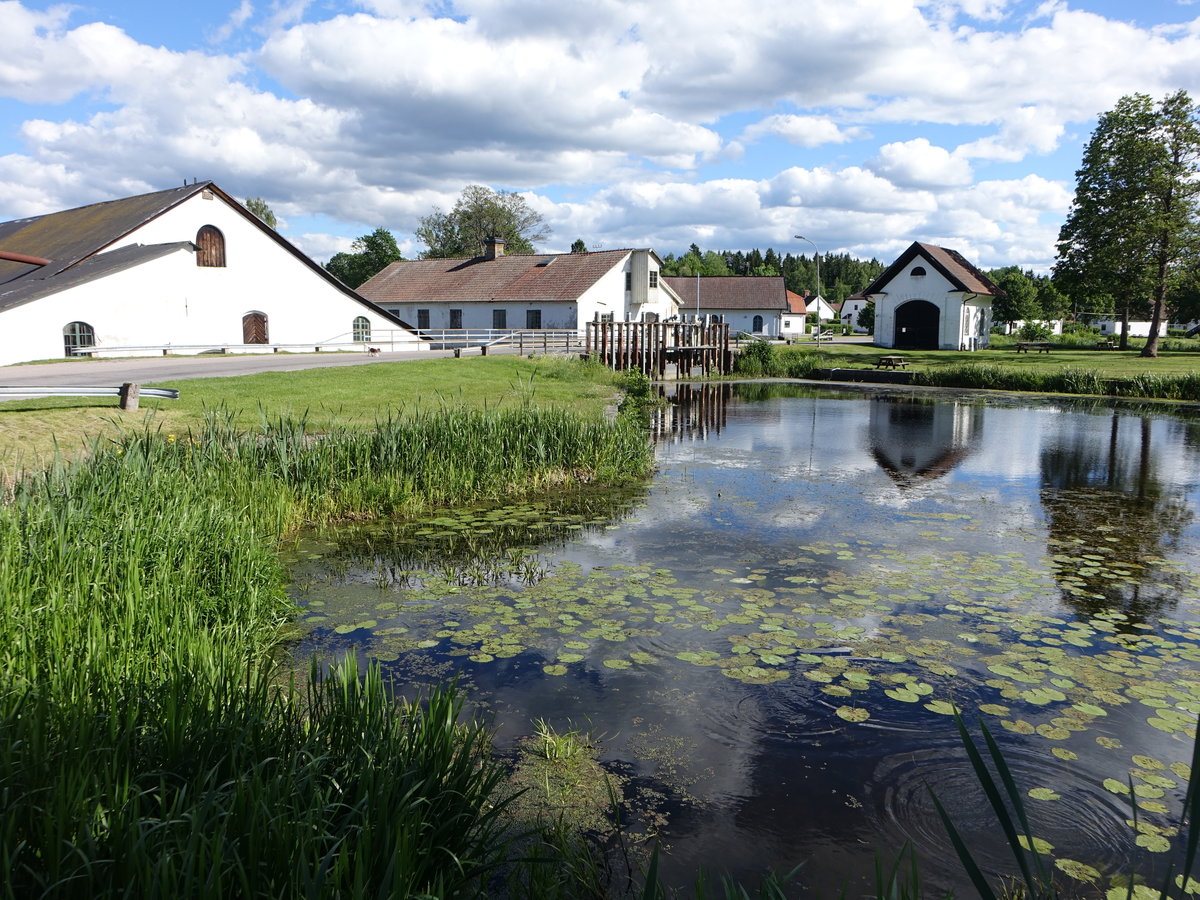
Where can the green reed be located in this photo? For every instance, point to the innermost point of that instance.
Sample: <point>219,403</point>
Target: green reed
<point>153,745</point>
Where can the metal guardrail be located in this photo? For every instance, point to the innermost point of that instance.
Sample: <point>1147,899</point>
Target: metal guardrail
<point>129,392</point>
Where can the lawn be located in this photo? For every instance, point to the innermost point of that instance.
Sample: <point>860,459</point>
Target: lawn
<point>350,396</point>
<point>1109,363</point>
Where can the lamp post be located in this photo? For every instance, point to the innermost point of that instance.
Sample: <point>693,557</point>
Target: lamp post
<point>817,257</point>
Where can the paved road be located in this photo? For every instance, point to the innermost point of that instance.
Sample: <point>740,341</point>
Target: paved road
<point>153,370</point>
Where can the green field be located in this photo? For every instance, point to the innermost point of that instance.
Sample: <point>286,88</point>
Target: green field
<point>355,396</point>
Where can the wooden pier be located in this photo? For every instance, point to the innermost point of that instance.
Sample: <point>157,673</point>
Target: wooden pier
<point>652,347</point>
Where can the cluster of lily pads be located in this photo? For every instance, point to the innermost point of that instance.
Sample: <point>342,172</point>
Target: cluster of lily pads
<point>877,630</point>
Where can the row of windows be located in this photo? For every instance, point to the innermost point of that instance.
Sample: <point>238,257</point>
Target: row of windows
<point>533,319</point>
<point>81,335</point>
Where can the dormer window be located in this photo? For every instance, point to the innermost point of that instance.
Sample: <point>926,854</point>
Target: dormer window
<point>917,272</point>
<point>210,247</point>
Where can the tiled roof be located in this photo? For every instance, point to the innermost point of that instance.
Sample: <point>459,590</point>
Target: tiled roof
<point>950,263</point>
<point>796,304</point>
<point>730,291</point>
<point>549,278</point>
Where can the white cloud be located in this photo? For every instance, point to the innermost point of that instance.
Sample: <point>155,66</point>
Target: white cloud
<point>919,164</point>
<point>804,131</point>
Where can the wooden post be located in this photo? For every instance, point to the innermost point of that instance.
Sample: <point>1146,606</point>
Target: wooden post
<point>130,392</point>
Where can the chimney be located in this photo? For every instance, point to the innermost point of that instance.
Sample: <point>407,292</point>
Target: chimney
<point>493,248</point>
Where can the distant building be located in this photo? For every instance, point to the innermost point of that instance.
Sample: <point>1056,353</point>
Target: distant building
<point>503,293</point>
<point>794,321</point>
<point>849,310</point>
<point>755,305</point>
<point>931,298</point>
<point>1112,328</point>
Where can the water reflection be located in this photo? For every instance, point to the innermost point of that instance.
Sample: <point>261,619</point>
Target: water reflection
<point>772,635</point>
<point>916,439</point>
<point>1110,511</point>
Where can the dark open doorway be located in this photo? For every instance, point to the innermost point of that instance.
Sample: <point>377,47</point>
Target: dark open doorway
<point>916,326</point>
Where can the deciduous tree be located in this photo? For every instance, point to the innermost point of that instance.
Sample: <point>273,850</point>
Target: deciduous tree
<point>480,214</point>
<point>1134,218</point>
<point>370,254</point>
<point>259,207</point>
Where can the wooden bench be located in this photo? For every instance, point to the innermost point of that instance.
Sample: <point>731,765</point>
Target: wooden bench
<point>1039,346</point>
<point>892,362</point>
<point>1106,345</point>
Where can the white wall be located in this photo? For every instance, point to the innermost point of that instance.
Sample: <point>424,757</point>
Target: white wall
<point>477,315</point>
<point>743,319</point>
<point>171,300</point>
<point>960,325</point>
<point>1112,327</point>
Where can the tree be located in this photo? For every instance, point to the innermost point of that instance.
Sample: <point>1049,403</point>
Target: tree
<point>1018,300</point>
<point>258,206</point>
<point>866,318</point>
<point>1134,218</point>
<point>480,214</point>
<point>370,254</point>
<point>579,246</point>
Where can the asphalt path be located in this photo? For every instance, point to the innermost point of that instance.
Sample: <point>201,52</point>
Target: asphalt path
<point>154,370</point>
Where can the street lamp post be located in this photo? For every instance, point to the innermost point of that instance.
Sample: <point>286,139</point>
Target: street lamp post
<point>817,257</point>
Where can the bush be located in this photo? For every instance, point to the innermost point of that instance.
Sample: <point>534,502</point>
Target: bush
<point>1034,331</point>
<point>755,361</point>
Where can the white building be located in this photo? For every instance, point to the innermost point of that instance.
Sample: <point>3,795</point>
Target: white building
<point>755,305</point>
<point>188,269</point>
<point>931,298</point>
<point>794,323</point>
<point>849,310</point>
<point>500,292</point>
<point>1112,328</point>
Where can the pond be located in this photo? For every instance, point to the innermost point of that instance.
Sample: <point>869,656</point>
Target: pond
<point>769,638</point>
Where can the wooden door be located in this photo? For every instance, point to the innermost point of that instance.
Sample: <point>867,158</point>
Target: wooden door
<point>254,328</point>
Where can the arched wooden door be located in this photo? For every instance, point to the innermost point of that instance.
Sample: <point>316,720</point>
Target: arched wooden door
<point>917,325</point>
<point>254,328</point>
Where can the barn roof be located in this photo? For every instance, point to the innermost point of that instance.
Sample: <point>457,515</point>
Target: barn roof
<point>950,263</point>
<point>730,291</point>
<point>562,277</point>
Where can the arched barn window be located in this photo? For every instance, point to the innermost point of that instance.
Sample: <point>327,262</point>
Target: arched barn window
<point>757,326</point>
<point>76,336</point>
<point>210,245</point>
<point>362,328</point>
<point>254,328</point>
<point>917,271</point>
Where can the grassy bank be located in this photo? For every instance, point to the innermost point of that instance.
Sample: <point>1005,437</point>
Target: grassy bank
<point>1174,375</point>
<point>152,745</point>
<point>353,396</point>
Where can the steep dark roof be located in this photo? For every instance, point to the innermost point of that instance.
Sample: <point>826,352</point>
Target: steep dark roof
<point>72,235</point>
<point>33,287</point>
<point>950,263</point>
<point>548,277</point>
<point>69,238</point>
<point>730,291</point>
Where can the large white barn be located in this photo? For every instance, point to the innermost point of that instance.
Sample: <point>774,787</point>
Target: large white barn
<point>184,271</point>
<point>931,298</point>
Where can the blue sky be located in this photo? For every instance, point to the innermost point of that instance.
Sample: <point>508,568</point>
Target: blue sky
<point>862,124</point>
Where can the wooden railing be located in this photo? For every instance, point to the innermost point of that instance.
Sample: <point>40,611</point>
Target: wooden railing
<point>651,347</point>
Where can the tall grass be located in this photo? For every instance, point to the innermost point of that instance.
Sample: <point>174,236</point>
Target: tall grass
<point>1069,380</point>
<point>151,745</point>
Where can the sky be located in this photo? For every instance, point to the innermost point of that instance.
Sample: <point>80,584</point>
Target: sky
<point>863,125</point>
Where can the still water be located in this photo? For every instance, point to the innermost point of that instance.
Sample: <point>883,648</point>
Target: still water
<point>770,637</point>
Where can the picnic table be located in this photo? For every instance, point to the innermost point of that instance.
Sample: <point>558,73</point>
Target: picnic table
<point>1106,345</point>
<point>892,362</point>
<point>1039,346</point>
